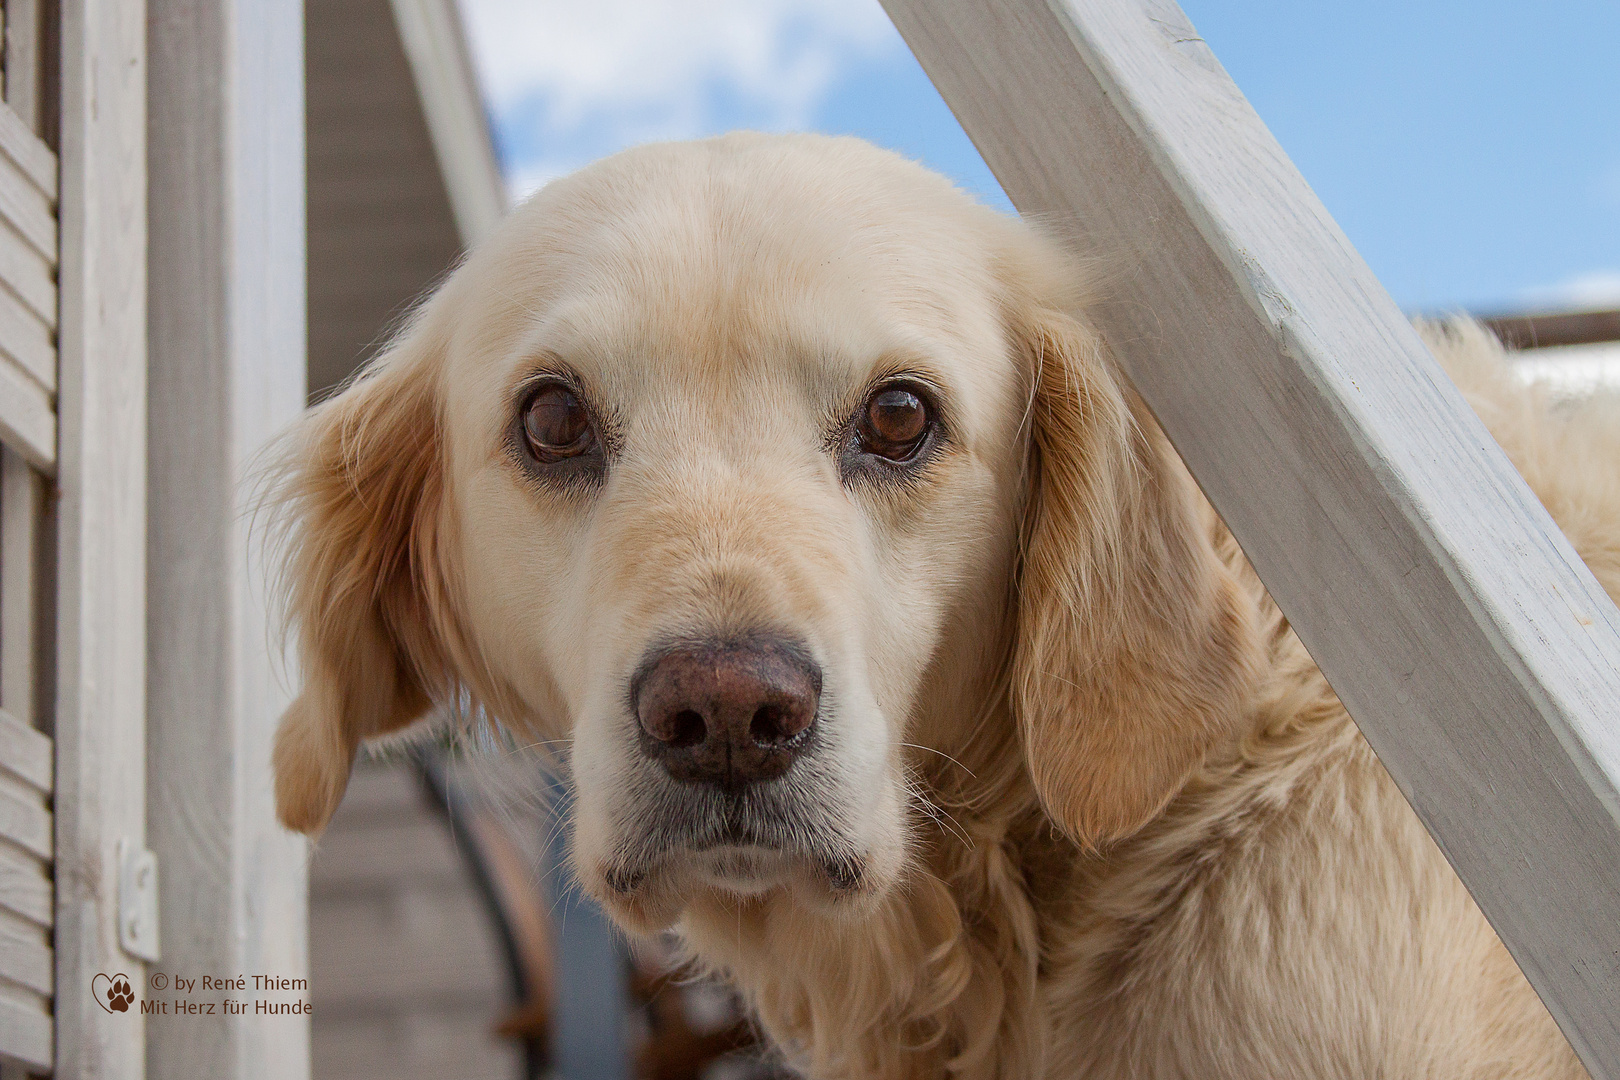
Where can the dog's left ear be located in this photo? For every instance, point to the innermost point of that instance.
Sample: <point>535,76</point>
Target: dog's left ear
<point>1136,646</point>
<point>361,489</point>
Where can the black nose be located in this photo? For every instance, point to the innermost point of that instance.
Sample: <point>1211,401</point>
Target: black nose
<point>729,714</point>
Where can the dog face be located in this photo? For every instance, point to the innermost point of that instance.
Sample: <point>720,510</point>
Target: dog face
<point>724,462</point>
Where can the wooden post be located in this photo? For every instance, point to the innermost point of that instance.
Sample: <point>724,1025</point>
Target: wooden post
<point>101,478</point>
<point>226,221</point>
<point>1462,632</point>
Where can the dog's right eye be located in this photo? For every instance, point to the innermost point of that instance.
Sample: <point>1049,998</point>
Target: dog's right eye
<point>557,425</point>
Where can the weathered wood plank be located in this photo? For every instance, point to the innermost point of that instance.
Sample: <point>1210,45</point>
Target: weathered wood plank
<point>25,888</point>
<point>226,266</point>
<point>30,154</point>
<point>26,206</point>
<point>27,340</point>
<point>1477,653</point>
<point>27,420</point>
<point>100,712</point>
<point>25,89</point>
<point>26,752</point>
<point>28,274</point>
<point>22,820</point>
<point>22,506</point>
<point>25,958</point>
<point>25,1035</point>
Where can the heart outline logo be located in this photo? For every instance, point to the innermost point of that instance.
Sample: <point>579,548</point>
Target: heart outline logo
<point>119,994</point>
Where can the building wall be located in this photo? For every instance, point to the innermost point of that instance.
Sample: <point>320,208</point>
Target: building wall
<point>406,968</point>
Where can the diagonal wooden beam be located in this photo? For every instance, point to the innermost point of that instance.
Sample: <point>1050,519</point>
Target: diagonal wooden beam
<point>1478,654</point>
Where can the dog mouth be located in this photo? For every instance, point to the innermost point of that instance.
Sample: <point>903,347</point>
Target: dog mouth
<point>745,843</point>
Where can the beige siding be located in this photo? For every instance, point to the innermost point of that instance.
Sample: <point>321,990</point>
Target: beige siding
<point>381,229</point>
<point>407,973</point>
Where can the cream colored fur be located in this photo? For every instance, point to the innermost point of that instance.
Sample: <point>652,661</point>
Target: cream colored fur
<point>1109,819</point>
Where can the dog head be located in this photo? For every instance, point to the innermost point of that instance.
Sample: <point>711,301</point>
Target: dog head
<point>745,466</point>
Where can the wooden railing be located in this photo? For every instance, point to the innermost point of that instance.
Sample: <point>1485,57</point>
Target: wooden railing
<point>1479,656</point>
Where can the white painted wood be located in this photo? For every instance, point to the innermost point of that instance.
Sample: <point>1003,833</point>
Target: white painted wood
<point>27,419</point>
<point>26,753</point>
<point>25,955</point>
<point>27,341</point>
<point>100,710</point>
<point>28,274</point>
<point>21,144</point>
<point>25,887</point>
<point>23,818</point>
<point>25,1036</point>
<point>22,506</point>
<point>226,222</point>
<point>436,47</point>
<point>24,41</point>
<point>27,208</point>
<point>1477,653</point>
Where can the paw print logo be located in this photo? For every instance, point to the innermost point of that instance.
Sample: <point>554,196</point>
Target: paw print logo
<point>118,995</point>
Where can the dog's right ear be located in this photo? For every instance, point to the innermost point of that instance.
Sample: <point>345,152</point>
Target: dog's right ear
<point>361,491</point>
<point>1136,644</point>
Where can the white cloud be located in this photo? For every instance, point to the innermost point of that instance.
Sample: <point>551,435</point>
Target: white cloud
<point>1596,289</point>
<point>626,71</point>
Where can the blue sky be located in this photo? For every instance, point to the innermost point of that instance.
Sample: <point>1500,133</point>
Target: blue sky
<point>1470,151</point>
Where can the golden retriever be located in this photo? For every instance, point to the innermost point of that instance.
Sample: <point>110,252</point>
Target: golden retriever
<point>905,670</point>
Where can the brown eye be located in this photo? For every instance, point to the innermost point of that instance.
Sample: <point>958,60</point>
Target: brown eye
<point>557,425</point>
<point>894,423</point>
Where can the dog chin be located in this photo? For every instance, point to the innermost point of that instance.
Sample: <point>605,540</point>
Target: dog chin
<point>746,871</point>
<point>653,899</point>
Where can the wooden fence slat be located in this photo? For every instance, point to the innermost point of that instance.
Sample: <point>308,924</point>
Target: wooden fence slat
<point>26,339</point>
<point>24,823</point>
<point>29,154</point>
<point>26,752</point>
<point>25,89</point>
<point>26,960</point>
<point>27,207</point>
<point>28,274</point>
<point>1476,652</point>
<point>24,887</point>
<point>27,420</point>
<point>25,1035</point>
<point>22,509</point>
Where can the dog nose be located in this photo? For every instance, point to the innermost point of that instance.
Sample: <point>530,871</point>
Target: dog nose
<point>727,714</point>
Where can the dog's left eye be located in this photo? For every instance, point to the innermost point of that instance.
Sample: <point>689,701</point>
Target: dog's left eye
<point>894,422</point>
<point>556,424</point>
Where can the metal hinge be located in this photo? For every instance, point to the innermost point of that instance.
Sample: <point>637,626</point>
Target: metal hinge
<point>137,901</point>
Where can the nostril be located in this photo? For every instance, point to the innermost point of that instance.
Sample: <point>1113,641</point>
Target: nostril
<point>766,726</point>
<point>688,729</point>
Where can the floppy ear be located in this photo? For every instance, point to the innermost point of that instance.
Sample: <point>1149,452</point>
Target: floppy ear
<point>1135,645</point>
<point>362,490</point>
